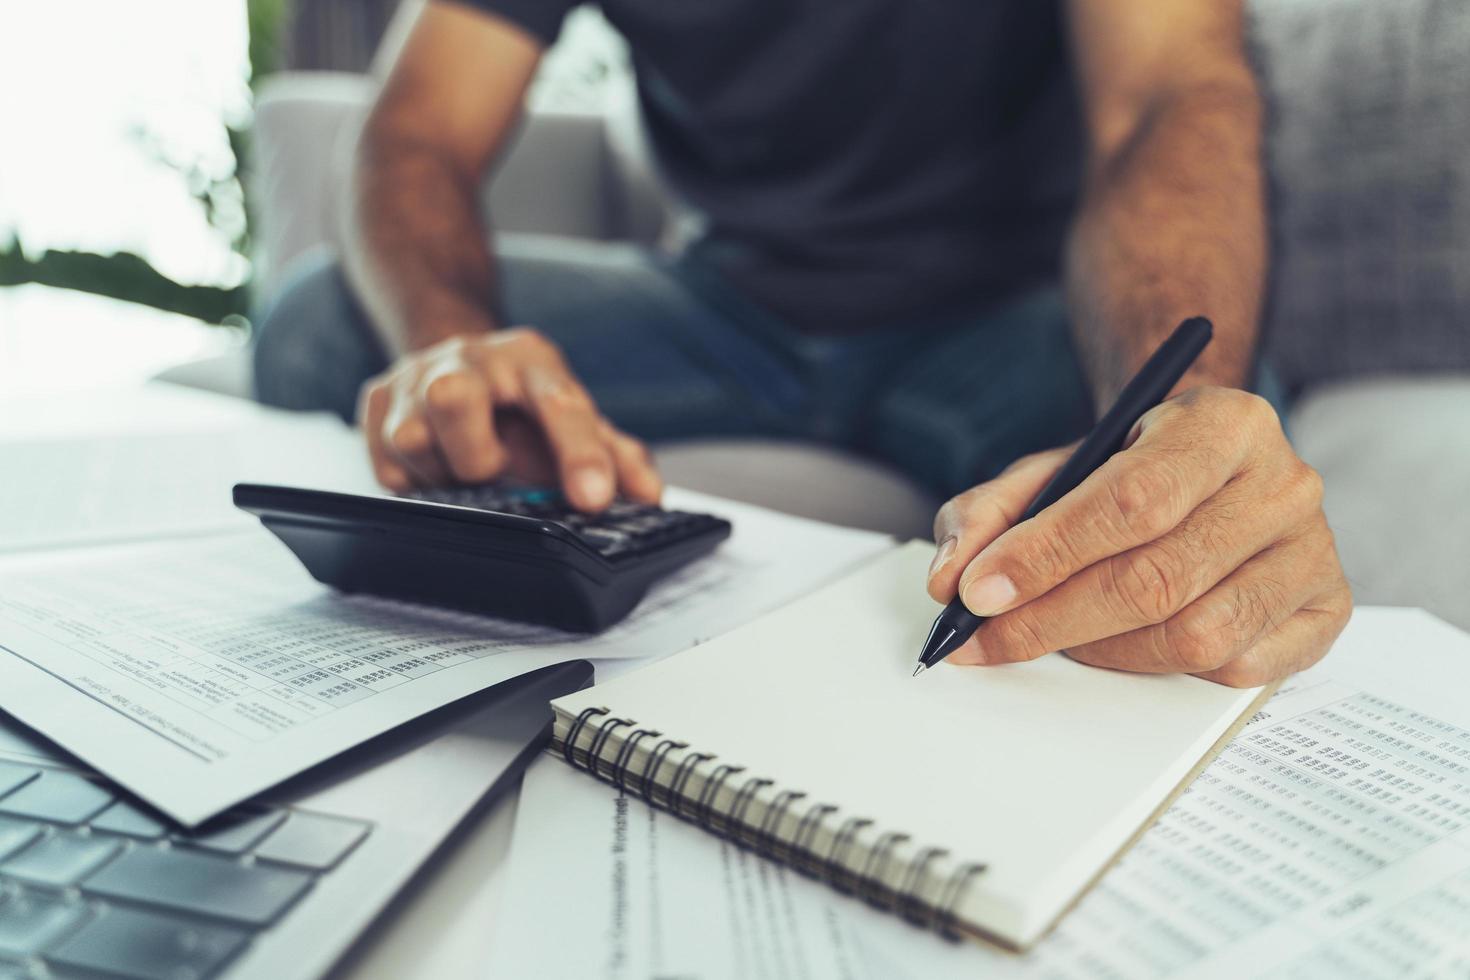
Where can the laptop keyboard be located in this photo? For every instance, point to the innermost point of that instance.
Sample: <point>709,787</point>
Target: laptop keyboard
<point>623,530</point>
<point>90,884</point>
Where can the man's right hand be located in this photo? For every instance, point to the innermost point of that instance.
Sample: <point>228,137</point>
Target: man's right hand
<point>470,409</point>
<point>477,406</point>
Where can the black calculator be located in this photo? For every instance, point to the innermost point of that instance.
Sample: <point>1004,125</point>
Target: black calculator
<point>516,552</point>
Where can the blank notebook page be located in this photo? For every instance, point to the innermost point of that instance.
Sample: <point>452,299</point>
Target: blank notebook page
<point>1043,771</point>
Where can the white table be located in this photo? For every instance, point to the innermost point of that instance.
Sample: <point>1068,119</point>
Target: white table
<point>437,927</point>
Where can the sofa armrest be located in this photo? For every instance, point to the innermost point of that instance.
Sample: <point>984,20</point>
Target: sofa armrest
<point>1395,457</point>
<point>296,165</point>
<point>556,178</point>
<point>562,174</point>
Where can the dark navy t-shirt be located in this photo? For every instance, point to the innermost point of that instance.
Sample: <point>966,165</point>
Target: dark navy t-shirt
<point>859,162</point>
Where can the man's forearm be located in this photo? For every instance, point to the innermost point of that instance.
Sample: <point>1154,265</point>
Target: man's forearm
<point>416,250</point>
<point>1173,225</point>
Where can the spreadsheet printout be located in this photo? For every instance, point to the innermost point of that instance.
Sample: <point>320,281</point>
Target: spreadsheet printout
<point>199,672</point>
<point>1331,838</point>
<point>82,489</point>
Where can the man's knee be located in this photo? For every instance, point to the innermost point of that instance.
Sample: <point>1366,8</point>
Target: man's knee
<point>314,346</point>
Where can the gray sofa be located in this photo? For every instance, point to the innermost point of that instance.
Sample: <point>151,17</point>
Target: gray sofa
<point>1382,411</point>
<point>573,173</point>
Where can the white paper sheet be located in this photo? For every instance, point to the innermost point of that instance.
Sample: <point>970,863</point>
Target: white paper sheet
<point>1331,838</point>
<point>819,698</point>
<point>199,672</point>
<point>75,489</point>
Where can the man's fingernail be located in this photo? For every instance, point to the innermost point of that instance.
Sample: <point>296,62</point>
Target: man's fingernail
<point>943,555</point>
<point>989,594</point>
<point>593,486</point>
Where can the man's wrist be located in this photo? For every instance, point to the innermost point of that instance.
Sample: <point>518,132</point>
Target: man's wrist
<point>440,318</point>
<point>1215,377</point>
<point>1225,363</point>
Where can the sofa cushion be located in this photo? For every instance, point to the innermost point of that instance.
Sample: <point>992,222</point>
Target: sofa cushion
<point>1368,126</point>
<point>804,479</point>
<point>563,175</point>
<point>1394,454</point>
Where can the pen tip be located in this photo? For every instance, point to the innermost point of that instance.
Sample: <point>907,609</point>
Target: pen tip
<point>937,647</point>
<point>917,669</point>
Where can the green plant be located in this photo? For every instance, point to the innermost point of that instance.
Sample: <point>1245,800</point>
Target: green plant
<point>127,276</point>
<point>121,275</point>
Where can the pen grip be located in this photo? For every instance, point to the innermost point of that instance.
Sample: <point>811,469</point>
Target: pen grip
<point>1149,387</point>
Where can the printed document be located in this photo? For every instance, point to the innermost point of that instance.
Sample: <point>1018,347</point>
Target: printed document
<point>81,489</point>
<point>1331,838</point>
<point>197,673</point>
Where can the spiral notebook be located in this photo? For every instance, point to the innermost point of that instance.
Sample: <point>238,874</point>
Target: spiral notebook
<point>969,800</point>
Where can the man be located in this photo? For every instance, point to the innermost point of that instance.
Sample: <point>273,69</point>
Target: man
<point>889,188</point>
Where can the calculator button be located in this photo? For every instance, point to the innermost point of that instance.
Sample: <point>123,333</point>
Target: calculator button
<point>602,538</point>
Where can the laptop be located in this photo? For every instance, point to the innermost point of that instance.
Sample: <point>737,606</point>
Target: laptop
<point>93,883</point>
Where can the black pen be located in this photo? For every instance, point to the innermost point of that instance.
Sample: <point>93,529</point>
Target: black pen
<point>1149,386</point>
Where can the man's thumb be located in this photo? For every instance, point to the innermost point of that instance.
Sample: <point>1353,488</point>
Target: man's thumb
<point>970,521</point>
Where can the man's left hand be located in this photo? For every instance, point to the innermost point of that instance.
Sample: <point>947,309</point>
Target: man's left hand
<point>1200,548</point>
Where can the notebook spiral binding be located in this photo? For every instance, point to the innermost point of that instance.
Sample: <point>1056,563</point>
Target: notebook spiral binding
<point>799,852</point>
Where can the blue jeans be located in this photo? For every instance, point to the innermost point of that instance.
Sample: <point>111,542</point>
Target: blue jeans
<point>670,351</point>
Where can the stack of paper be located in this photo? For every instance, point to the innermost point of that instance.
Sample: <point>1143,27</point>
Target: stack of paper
<point>1331,839</point>
<point>200,670</point>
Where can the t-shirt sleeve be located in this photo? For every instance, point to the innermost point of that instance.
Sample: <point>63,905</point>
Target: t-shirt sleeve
<point>539,18</point>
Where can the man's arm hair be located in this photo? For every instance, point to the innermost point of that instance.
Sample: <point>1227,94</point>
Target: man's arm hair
<point>416,249</point>
<point>1172,222</point>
